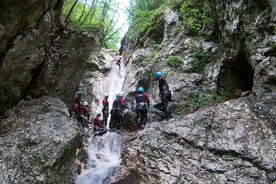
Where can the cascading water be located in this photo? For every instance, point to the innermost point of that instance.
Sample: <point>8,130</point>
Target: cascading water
<point>104,152</point>
<point>104,158</point>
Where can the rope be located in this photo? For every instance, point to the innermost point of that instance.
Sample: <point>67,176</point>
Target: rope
<point>162,113</point>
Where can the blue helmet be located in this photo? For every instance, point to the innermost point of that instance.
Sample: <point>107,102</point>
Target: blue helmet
<point>140,89</point>
<point>79,92</point>
<point>158,74</point>
<point>117,95</point>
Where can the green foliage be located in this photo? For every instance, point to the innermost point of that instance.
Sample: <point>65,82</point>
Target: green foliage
<point>204,99</point>
<point>196,14</point>
<point>145,15</point>
<point>95,15</point>
<point>199,60</point>
<point>174,61</point>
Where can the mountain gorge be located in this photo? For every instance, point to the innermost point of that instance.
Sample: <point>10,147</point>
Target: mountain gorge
<point>223,77</point>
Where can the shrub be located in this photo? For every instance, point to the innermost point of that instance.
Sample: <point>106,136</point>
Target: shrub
<point>199,60</point>
<point>174,61</point>
<point>205,98</point>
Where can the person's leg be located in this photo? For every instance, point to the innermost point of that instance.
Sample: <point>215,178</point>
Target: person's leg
<point>139,117</point>
<point>166,110</point>
<point>104,121</point>
<point>145,117</point>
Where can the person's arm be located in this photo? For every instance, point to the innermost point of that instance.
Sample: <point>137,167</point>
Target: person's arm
<point>147,99</point>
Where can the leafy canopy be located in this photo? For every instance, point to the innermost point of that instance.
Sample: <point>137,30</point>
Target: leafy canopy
<point>195,13</point>
<point>100,15</point>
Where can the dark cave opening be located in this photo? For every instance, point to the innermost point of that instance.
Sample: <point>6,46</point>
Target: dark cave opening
<point>235,77</point>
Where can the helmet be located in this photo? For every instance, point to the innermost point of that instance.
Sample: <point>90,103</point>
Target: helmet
<point>140,89</point>
<point>117,95</point>
<point>79,92</point>
<point>105,94</point>
<point>158,74</point>
<point>85,103</point>
<point>98,113</point>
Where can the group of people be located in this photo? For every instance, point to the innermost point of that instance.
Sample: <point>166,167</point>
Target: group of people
<point>116,113</point>
<point>81,110</point>
<point>142,100</point>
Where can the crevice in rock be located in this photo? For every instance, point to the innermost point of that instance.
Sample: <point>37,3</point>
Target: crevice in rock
<point>235,154</point>
<point>235,77</point>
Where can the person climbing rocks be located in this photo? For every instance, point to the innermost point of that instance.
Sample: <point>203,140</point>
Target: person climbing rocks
<point>118,61</point>
<point>105,110</point>
<point>165,103</point>
<point>98,128</point>
<point>97,121</point>
<point>78,96</point>
<point>79,114</point>
<point>165,94</point>
<point>142,99</point>
<point>86,110</point>
<point>117,112</point>
<point>161,81</point>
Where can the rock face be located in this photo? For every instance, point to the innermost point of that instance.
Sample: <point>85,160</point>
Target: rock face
<point>39,143</point>
<point>37,56</point>
<point>231,142</point>
<point>227,143</point>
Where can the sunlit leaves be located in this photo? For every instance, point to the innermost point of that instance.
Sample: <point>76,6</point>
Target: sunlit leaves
<point>95,14</point>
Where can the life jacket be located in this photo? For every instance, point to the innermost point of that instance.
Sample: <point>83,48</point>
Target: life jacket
<point>162,82</point>
<point>105,102</point>
<point>117,104</point>
<point>141,100</point>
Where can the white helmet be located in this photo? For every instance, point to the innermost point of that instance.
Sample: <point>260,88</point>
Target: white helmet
<point>98,113</point>
<point>85,103</point>
<point>105,94</point>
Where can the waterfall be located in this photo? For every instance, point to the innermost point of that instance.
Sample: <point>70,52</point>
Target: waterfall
<point>104,159</point>
<point>104,152</point>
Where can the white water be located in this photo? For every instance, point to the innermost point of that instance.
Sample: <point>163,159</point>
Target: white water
<point>114,83</point>
<point>104,152</point>
<point>104,158</point>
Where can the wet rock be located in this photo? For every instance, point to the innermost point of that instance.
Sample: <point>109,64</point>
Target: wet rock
<point>38,145</point>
